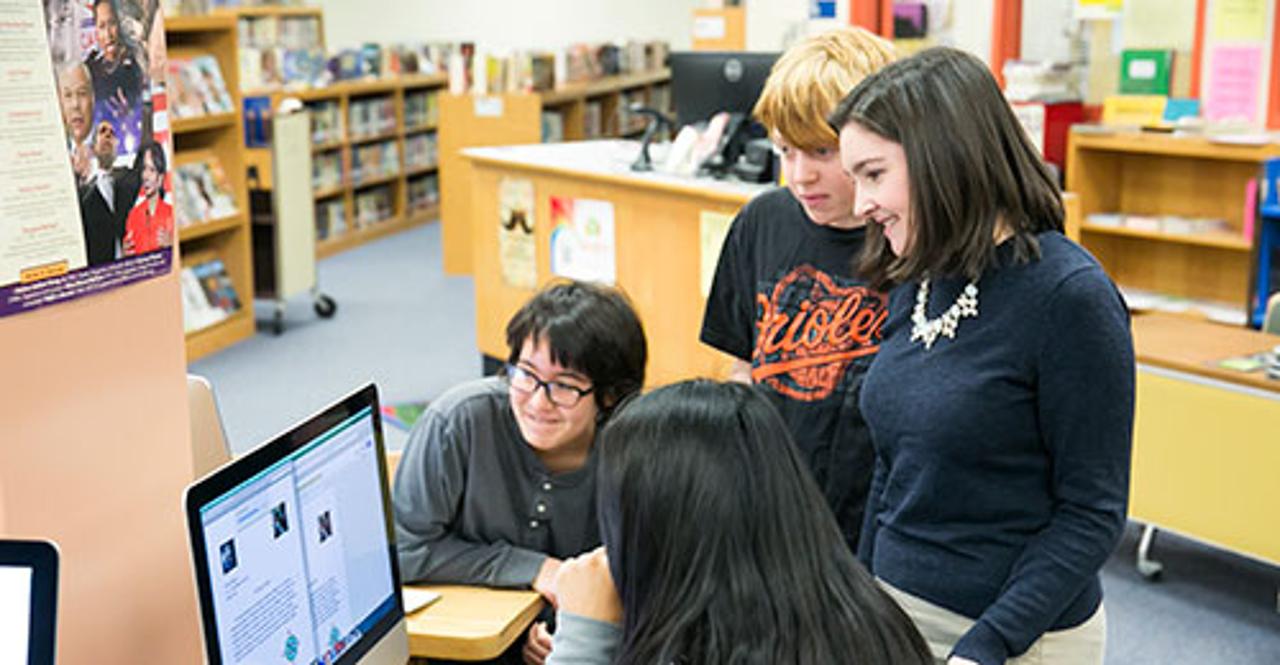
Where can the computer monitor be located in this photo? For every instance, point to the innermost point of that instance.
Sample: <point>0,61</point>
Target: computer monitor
<point>703,83</point>
<point>293,547</point>
<point>28,601</point>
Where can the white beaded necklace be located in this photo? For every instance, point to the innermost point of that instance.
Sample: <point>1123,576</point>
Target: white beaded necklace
<point>927,330</point>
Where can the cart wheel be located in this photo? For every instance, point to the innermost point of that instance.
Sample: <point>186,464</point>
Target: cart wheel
<point>277,323</point>
<point>325,307</point>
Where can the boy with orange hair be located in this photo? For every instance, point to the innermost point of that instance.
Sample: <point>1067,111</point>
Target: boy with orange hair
<point>785,302</point>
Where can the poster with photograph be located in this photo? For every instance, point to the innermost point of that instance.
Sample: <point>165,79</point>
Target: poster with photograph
<point>85,197</point>
<point>517,251</point>
<point>582,241</point>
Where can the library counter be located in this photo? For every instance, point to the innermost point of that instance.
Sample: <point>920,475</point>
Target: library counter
<point>666,232</point>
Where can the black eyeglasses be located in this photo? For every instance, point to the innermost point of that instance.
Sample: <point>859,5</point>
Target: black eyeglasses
<point>560,394</point>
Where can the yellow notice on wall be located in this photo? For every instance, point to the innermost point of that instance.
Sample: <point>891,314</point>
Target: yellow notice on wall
<point>1239,20</point>
<point>712,229</point>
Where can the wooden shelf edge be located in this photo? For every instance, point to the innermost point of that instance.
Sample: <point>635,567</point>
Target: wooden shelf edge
<point>206,229</point>
<point>326,147</point>
<point>427,214</point>
<point>201,123</point>
<point>353,238</point>
<point>609,84</point>
<point>1175,146</point>
<point>328,192</point>
<point>374,182</point>
<point>1215,240</point>
<point>269,11</point>
<point>420,170</point>
<point>422,129</point>
<point>199,23</point>
<point>362,140</point>
<point>222,334</point>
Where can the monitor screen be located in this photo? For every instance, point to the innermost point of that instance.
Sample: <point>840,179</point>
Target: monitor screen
<point>704,83</point>
<point>28,601</point>
<point>293,546</point>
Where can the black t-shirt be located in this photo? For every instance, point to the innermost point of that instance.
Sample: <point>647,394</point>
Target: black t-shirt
<point>785,299</point>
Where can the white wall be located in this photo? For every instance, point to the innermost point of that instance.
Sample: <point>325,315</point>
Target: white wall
<point>497,25</point>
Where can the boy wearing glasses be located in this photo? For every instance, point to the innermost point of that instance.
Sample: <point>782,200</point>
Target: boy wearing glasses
<point>497,482</point>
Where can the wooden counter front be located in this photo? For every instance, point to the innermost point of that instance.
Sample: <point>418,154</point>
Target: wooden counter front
<point>656,234</point>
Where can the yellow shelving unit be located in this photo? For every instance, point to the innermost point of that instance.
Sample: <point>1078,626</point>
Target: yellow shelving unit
<point>219,136</point>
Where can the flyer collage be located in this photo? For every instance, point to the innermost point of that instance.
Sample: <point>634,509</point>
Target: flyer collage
<point>83,143</point>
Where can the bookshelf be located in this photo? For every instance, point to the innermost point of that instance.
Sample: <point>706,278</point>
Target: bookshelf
<point>1157,175</point>
<point>382,131</point>
<point>215,136</point>
<point>589,110</point>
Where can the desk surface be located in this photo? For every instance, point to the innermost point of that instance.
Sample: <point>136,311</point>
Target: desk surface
<point>470,623</point>
<point>1195,346</point>
<point>609,161</point>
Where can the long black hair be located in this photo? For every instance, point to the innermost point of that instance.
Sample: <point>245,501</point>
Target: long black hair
<point>723,548</point>
<point>971,166</point>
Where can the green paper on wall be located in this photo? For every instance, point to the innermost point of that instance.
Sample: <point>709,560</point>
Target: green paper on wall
<point>1145,71</point>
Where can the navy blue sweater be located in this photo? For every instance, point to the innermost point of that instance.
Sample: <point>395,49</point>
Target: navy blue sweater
<point>1002,455</point>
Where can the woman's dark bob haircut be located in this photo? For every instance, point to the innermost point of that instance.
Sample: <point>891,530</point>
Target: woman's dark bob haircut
<point>971,166</point>
<point>588,328</point>
<point>722,546</point>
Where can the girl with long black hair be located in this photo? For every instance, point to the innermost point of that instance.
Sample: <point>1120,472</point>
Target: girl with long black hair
<point>718,548</point>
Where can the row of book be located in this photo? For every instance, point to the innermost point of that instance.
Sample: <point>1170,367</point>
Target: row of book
<point>371,116</point>
<point>288,32</point>
<point>421,151</point>
<point>208,294</point>
<point>531,71</point>
<point>326,121</point>
<point>196,87</point>
<point>202,193</point>
<point>1176,224</point>
<point>424,192</point>
<point>326,170</point>
<point>375,160</point>
<point>202,7</point>
<point>331,218</point>
<point>374,205</point>
<point>273,68</point>
<point>421,108</point>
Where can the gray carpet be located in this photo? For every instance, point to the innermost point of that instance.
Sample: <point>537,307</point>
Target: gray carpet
<point>403,324</point>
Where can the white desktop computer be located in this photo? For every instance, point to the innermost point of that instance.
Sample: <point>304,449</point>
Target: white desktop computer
<point>293,547</point>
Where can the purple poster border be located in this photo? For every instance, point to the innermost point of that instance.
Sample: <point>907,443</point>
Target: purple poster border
<point>18,298</point>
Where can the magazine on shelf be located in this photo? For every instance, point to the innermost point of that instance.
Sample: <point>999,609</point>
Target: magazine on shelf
<point>208,296</point>
<point>197,87</point>
<point>203,192</point>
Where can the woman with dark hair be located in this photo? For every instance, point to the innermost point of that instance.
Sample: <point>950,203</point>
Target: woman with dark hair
<point>497,482</point>
<point>149,225</point>
<point>720,547</point>
<point>1001,403</point>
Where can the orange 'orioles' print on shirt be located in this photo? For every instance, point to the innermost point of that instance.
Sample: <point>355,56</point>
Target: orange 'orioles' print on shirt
<point>809,328</point>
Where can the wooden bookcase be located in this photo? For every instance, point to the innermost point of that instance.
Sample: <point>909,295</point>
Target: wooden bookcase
<point>218,135</point>
<point>343,95</point>
<point>1155,175</point>
<point>468,121</point>
<point>396,89</point>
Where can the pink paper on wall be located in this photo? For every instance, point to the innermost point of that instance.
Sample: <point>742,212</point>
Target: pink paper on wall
<point>1235,82</point>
